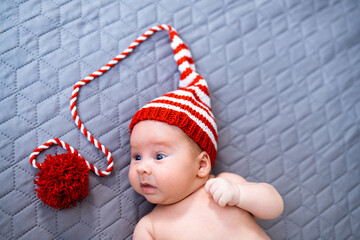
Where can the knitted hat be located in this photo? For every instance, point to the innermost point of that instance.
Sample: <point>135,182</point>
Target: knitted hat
<point>63,179</point>
<point>187,107</point>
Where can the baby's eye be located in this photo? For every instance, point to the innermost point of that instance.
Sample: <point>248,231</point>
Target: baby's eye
<point>160,156</point>
<point>137,158</point>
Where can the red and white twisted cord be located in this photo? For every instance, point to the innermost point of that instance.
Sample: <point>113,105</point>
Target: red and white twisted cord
<point>184,60</point>
<point>46,146</point>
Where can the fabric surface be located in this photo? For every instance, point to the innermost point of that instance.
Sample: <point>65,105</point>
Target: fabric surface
<point>284,83</point>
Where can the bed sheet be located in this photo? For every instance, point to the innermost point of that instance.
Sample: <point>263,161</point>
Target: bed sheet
<point>284,83</point>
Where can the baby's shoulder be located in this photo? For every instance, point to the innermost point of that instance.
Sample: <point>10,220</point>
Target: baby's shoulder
<point>144,228</point>
<point>232,177</point>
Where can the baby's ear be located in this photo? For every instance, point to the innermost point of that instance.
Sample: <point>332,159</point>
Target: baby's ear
<point>204,162</point>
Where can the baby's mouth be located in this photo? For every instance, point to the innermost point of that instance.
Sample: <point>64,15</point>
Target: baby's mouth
<point>147,188</point>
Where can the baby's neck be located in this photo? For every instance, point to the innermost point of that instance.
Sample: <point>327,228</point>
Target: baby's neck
<point>198,185</point>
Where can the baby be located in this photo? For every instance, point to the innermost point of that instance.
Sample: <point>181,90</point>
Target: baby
<point>173,147</point>
<point>169,169</point>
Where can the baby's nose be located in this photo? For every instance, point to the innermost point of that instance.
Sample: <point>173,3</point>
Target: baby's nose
<point>144,168</point>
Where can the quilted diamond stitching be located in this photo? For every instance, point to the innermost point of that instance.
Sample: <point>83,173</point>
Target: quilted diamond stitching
<point>283,79</point>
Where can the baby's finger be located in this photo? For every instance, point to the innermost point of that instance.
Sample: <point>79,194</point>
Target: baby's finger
<point>208,184</point>
<point>223,201</point>
<point>217,195</point>
<point>214,187</point>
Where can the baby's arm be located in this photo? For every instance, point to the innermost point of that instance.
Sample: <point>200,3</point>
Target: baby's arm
<point>260,199</point>
<point>143,230</point>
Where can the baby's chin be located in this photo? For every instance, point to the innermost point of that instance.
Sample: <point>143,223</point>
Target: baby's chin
<point>164,201</point>
<point>158,201</point>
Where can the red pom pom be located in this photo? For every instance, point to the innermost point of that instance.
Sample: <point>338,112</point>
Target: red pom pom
<point>63,179</point>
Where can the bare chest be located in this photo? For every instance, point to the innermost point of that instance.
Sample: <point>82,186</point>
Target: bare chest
<point>199,217</point>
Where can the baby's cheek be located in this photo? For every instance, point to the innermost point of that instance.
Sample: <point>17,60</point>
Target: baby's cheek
<point>133,178</point>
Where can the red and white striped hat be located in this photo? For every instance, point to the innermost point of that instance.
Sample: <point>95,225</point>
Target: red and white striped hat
<point>189,106</point>
<point>63,179</point>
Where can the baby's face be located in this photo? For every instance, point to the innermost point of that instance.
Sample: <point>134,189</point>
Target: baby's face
<point>163,164</point>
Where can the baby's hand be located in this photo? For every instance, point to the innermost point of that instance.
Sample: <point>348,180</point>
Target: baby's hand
<point>223,191</point>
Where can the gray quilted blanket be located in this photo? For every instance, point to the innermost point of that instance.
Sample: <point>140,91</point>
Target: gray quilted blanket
<point>284,78</point>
